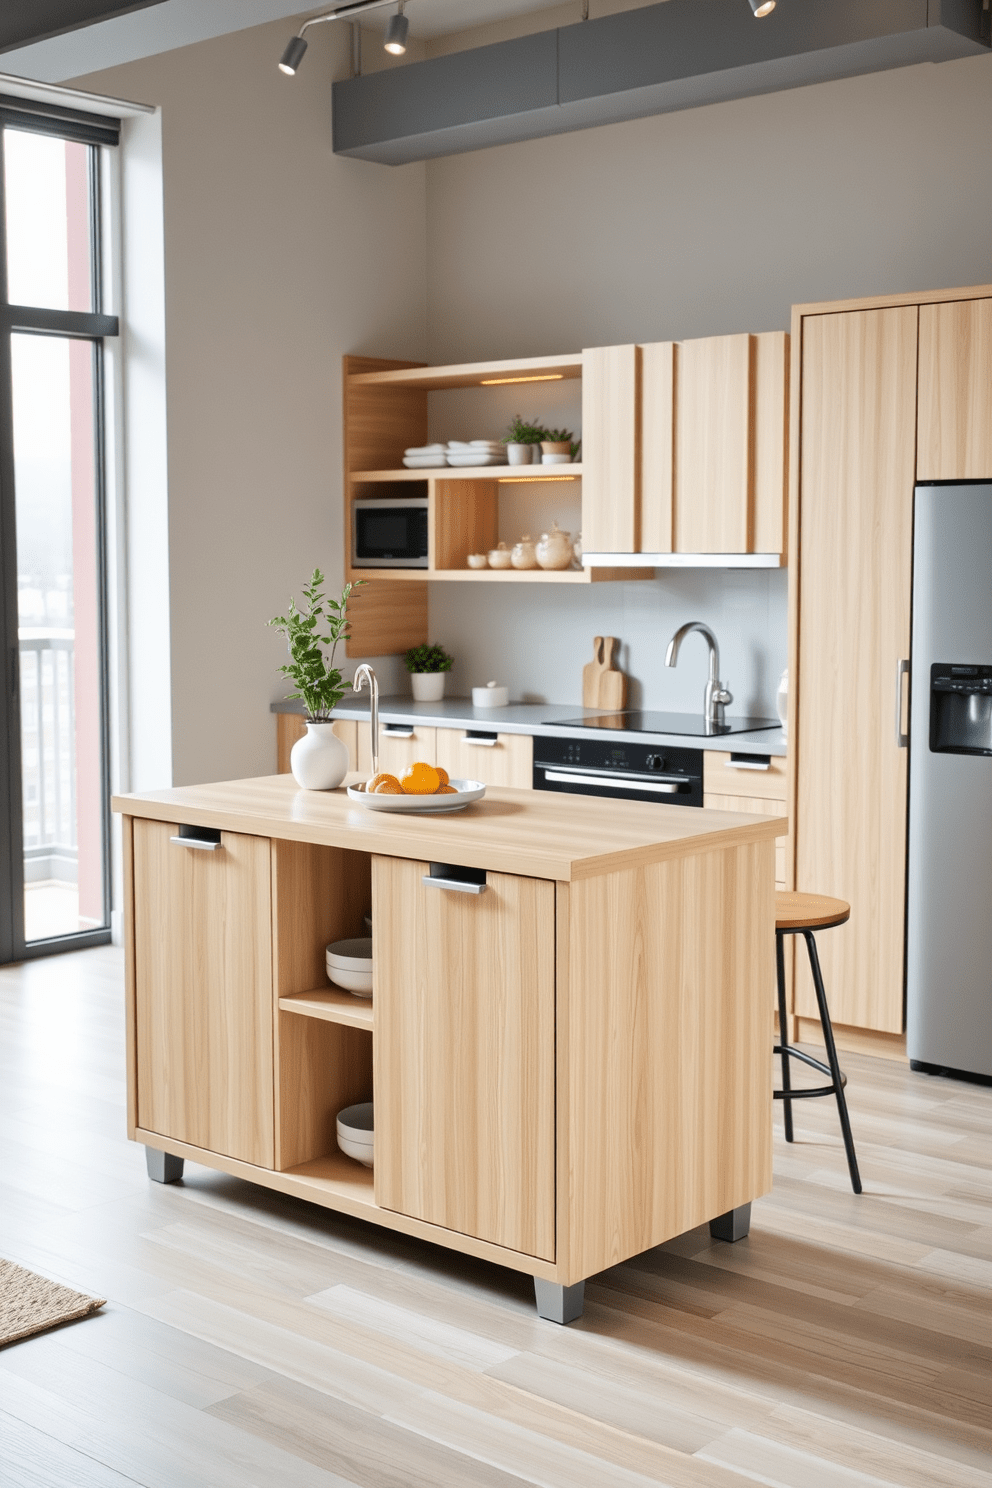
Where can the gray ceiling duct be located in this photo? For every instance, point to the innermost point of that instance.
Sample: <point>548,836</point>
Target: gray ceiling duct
<point>676,55</point>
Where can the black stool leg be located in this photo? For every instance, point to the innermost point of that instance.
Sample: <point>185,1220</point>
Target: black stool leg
<point>828,1039</point>
<point>783,1034</point>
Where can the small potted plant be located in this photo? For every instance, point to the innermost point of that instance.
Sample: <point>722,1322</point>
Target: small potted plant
<point>521,441</point>
<point>427,666</point>
<point>319,760</point>
<point>557,446</point>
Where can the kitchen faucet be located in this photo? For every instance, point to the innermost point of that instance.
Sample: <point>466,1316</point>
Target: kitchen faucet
<point>715,696</point>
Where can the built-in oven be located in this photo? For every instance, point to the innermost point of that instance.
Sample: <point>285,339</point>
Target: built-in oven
<point>389,533</point>
<point>632,772</point>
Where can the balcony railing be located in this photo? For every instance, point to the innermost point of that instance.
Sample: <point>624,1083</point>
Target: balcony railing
<point>48,754</point>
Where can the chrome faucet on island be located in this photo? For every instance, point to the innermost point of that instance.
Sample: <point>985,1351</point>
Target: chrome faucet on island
<point>715,696</point>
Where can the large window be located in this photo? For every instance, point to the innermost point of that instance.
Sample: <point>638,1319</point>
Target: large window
<point>54,877</point>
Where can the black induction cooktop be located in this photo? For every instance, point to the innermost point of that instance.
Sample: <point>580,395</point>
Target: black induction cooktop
<point>693,724</point>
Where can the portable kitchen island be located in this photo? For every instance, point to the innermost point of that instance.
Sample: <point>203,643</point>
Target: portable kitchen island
<point>570,1041</point>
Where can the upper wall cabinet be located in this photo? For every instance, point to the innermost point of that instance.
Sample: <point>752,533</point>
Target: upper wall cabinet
<point>611,454</point>
<point>685,447</point>
<point>954,426</point>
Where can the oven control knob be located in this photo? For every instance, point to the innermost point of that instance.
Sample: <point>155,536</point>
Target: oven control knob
<point>655,761</point>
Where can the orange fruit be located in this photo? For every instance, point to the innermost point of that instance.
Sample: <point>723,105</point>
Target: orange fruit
<point>420,779</point>
<point>442,774</point>
<point>388,786</point>
<point>447,790</point>
<point>381,779</point>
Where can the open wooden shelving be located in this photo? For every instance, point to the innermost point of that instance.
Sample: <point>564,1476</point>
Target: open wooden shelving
<point>530,474</point>
<point>331,1005</point>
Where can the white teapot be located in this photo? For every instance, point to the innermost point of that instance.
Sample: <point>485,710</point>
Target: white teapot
<point>523,555</point>
<point>555,548</point>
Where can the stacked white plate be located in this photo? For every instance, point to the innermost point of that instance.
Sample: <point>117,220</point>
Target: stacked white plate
<point>476,452</point>
<point>424,456</point>
<point>349,963</point>
<point>356,1132</point>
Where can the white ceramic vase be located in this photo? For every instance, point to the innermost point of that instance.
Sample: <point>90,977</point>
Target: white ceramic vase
<point>428,687</point>
<point>782,701</point>
<point>319,761</point>
<point>519,454</point>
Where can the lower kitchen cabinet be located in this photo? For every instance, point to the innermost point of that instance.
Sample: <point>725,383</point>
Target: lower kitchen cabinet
<point>754,786</point>
<point>202,948</point>
<point>481,754</point>
<point>400,745</point>
<point>464,1054</point>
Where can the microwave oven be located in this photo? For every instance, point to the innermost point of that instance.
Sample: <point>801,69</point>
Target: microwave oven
<point>389,534</point>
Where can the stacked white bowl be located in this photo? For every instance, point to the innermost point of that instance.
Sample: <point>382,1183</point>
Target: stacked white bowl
<point>475,452</point>
<point>349,965</point>
<point>356,1132</point>
<point>424,456</point>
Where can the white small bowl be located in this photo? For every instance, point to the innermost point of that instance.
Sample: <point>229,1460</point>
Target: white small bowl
<point>492,696</point>
<point>477,560</point>
<point>556,459</point>
<point>349,965</point>
<point>355,1128</point>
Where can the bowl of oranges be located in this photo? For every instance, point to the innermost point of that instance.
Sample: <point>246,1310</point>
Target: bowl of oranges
<point>420,788</point>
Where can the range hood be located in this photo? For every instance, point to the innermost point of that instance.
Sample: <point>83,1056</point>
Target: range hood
<point>676,55</point>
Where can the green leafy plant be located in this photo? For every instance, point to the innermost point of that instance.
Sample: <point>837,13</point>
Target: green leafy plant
<point>428,659</point>
<point>318,681</point>
<point>521,433</point>
<point>557,436</point>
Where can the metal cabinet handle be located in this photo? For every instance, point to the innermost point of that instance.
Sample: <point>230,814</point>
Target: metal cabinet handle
<point>564,778</point>
<point>902,670</point>
<point>481,740</point>
<point>454,883</point>
<point>397,731</point>
<point>197,842</point>
<point>733,764</point>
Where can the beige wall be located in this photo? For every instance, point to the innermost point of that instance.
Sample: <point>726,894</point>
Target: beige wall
<point>713,220</point>
<point>279,258</point>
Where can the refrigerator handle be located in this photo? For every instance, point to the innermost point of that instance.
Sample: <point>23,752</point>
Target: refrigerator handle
<point>902,670</point>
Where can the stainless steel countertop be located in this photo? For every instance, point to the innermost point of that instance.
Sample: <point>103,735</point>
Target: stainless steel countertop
<point>539,719</point>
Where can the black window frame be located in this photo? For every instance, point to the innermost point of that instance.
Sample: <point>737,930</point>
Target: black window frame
<point>96,131</point>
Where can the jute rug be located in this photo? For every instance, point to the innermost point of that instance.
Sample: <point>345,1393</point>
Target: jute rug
<point>30,1304</point>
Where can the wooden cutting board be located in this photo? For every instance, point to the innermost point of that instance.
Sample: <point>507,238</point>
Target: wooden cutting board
<point>603,684</point>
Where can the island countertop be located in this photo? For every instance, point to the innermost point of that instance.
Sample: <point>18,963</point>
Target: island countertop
<point>533,833</point>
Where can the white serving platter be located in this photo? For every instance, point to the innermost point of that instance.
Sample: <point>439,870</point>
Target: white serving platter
<point>466,791</point>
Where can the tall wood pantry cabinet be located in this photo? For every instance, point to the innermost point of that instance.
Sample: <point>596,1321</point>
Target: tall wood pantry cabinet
<point>885,393</point>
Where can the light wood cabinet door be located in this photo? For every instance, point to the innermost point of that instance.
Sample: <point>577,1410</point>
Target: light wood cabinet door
<point>713,444</point>
<point>203,991</point>
<point>509,760</point>
<point>659,364</point>
<point>611,456</point>
<point>955,410</point>
<point>397,749</point>
<point>731,442</point>
<point>857,467</point>
<point>464,1054</point>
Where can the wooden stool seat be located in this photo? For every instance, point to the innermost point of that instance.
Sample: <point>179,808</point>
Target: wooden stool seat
<point>809,911</point>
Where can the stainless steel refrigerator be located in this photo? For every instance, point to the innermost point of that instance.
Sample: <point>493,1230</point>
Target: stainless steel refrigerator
<point>949,904</point>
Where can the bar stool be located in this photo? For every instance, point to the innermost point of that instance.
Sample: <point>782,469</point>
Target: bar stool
<point>801,914</point>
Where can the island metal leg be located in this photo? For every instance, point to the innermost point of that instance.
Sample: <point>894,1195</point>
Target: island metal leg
<point>559,1304</point>
<point>733,1225</point>
<point>162,1166</point>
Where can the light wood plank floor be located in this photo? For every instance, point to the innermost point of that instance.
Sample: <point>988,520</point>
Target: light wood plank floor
<point>253,1340</point>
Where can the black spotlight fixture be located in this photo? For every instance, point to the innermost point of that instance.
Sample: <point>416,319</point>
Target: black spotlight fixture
<point>761,7</point>
<point>396,32</point>
<point>292,56</point>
